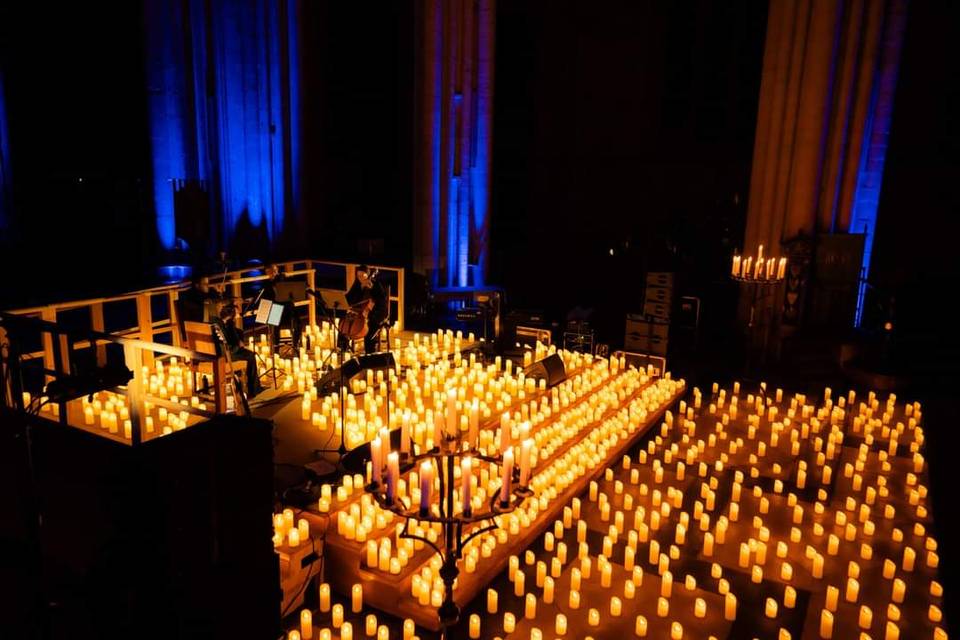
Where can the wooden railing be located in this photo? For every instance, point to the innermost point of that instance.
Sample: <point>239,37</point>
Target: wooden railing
<point>318,274</point>
<point>17,327</point>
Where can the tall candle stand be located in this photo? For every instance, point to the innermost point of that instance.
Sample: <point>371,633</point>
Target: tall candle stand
<point>761,278</point>
<point>452,515</point>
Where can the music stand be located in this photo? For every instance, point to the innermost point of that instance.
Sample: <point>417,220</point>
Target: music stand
<point>269,314</point>
<point>291,292</point>
<point>334,301</point>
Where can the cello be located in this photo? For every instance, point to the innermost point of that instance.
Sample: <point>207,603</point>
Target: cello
<point>353,325</point>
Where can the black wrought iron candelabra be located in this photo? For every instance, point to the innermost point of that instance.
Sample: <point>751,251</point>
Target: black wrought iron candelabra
<point>460,522</point>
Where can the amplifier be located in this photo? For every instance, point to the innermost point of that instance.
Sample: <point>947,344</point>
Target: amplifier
<point>469,314</point>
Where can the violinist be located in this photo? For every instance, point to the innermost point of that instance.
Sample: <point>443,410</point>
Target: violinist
<point>370,297</point>
<point>290,316</point>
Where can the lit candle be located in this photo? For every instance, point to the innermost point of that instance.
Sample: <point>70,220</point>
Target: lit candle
<point>451,413</point>
<point>892,631</point>
<point>593,618</point>
<point>530,607</point>
<point>525,448</point>
<point>426,486</point>
<point>491,601</point>
<point>616,607</point>
<point>506,477</point>
<point>561,624</point>
<point>474,433</point>
<point>509,622</point>
<point>474,626</point>
<point>405,433</point>
<point>866,617</point>
<point>548,587</point>
<point>663,607</point>
<point>853,590</point>
<point>337,616</point>
<point>574,599</point>
<point>730,606</point>
<point>826,624</point>
<point>466,479</point>
<point>899,589</point>
<point>356,598</point>
<point>324,597</point>
<point>393,475</point>
<point>306,624</point>
<point>376,462</point>
<point>676,631</point>
<point>640,628</point>
<point>771,608</point>
<point>371,624</point>
<point>504,433</point>
<point>831,598</point>
<point>700,608</point>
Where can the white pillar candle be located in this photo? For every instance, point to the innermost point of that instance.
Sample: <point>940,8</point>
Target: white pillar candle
<point>491,601</point>
<point>525,450</point>
<point>451,412</point>
<point>474,626</point>
<point>426,486</point>
<point>640,627</point>
<point>356,598</point>
<point>466,480</point>
<point>393,475</point>
<point>506,477</point>
<point>306,624</point>
<point>376,461</point>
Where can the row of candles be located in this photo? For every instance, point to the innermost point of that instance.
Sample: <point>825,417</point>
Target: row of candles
<point>426,584</point>
<point>746,267</point>
<point>756,549</point>
<point>486,485</point>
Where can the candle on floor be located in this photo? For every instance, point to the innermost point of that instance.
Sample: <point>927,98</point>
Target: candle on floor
<point>306,624</point>
<point>663,607</point>
<point>676,631</point>
<point>530,607</point>
<point>356,598</point>
<point>593,618</point>
<point>506,477</point>
<point>560,625</point>
<point>771,608</point>
<point>346,631</point>
<point>474,626</point>
<point>491,601</point>
<point>866,617</point>
<point>700,608</point>
<point>616,607</point>
<point>853,590</point>
<point>371,624</point>
<point>574,599</point>
<point>336,616</point>
<point>730,606</point>
<point>324,597</point>
<point>826,624</point>
<point>548,590</point>
<point>509,622</point>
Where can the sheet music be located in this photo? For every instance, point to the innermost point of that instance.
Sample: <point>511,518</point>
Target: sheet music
<point>263,311</point>
<point>276,313</point>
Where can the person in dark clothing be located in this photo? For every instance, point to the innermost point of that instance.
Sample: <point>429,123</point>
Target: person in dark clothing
<point>193,301</point>
<point>233,344</point>
<point>367,289</point>
<point>290,318</point>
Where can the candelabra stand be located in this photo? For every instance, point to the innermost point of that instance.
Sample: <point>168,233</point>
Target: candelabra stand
<point>446,512</point>
<point>760,288</point>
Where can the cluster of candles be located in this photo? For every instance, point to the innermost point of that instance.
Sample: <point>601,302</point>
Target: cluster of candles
<point>601,405</point>
<point>591,412</point>
<point>868,526</point>
<point>748,268</point>
<point>478,485</point>
<point>287,533</point>
<point>428,402</point>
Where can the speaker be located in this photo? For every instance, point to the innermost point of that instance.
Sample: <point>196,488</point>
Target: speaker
<point>550,368</point>
<point>351,368</point>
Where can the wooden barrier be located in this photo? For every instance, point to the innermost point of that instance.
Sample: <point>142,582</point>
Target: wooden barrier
<point>150,330</point>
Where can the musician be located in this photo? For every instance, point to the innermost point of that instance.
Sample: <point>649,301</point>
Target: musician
<point>290,317</point>
<point>366,290</point>
<point>234,345</point>
<point>193,301</point>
